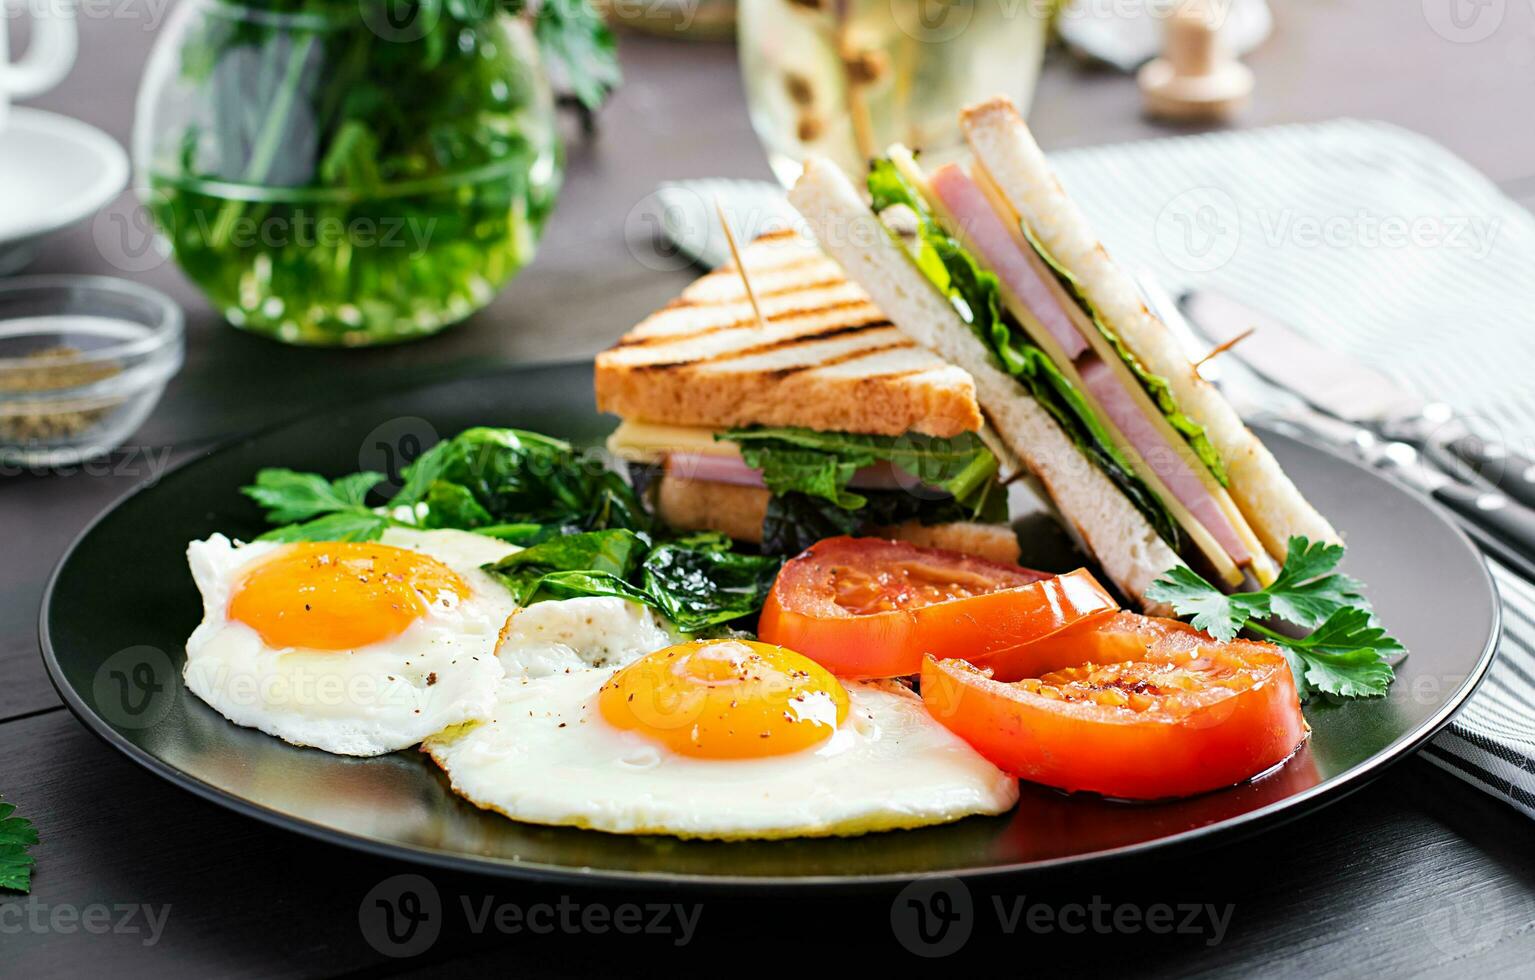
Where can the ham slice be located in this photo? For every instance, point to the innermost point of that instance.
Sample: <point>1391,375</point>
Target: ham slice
<point>1166,461</point>
<point>1002,254</point>
<point>706,468</point>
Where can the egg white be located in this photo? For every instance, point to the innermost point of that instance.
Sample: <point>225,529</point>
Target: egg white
<point>578,634</point>
<point>441,671</point>
<point>547,756</point>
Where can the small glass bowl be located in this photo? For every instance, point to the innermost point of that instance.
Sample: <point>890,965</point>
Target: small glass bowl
<point>83,360</point>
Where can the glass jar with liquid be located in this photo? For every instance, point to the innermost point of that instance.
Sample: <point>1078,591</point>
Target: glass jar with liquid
<point>845,78</point>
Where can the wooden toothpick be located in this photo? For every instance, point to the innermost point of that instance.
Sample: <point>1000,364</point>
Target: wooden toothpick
<point>1220,349</point>
<point>735,254</point>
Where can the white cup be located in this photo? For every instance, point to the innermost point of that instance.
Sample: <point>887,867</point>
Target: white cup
<point>48,57</point>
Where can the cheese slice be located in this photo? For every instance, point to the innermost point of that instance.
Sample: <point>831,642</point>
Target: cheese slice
<point>650,442</point>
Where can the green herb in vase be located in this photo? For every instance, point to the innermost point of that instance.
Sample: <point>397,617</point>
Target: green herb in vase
<point>335,172</point>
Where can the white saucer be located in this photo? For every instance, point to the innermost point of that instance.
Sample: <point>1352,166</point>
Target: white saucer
<point>751,206</point>
<point>54,171</point>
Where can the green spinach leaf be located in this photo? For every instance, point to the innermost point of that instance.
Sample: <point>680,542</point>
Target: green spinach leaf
<point>697,581</point>
<point>821,464</point>
<point>520,486</point>
<point>525,477</point>
<point>616,553</point>
<point>795,521</point>
<point>700,581</point>
<point>451,505</point>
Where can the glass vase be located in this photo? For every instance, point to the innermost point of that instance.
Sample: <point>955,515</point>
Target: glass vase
<point>345,173</point>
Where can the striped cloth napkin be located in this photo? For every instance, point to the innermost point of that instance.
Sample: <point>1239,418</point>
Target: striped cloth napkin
<point>1383,244</point>
<point>1373,239</point>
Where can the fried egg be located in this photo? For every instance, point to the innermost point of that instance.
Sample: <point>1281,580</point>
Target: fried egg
<point>357,648</point>
<point>722,739</point>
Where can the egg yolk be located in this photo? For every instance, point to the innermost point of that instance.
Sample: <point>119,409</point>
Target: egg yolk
<point>726,699</point>
<point>341,595</point>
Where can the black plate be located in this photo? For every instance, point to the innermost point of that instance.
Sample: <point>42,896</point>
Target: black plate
<point>121,604</point>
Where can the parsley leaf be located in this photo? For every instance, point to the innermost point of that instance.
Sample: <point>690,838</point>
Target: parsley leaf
<point>1215,612</point>
<point>289,496</point>
<point>359,525</point>
<point>1307,590</point>
<point>16,835</point>
<point>1348,652</point>
<point>1344,656</point>
<point>312,508</point>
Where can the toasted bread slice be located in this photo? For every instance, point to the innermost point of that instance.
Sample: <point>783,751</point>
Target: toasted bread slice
<point>826,359</point>
<point>696,505</point>
<point>1102,518</point>
<point>1013,162</point>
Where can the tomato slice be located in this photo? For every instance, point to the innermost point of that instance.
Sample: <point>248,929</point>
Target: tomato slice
<point>867,608</point>
<point>1189,715</point>
<point>1107,639</point>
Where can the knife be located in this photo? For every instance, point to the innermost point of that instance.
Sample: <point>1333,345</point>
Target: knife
<point>1503,532</point>
<point>1336,384</point>
<point>1501,528</point>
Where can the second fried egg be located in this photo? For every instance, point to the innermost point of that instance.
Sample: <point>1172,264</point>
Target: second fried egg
<point>357,648</point>
<point>718,739</point>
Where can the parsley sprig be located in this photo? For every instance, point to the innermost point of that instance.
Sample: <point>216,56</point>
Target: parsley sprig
<point>16,835</point>
<point>312,508</point>
<point>1348,654</point>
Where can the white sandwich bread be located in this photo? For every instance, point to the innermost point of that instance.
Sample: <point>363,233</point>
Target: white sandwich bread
<point>993,268</point>
<point>1013,163</point>
<point>824,365</point>
<point>1104,521</point>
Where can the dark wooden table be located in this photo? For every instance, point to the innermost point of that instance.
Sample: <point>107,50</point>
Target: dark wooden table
<point>1416,874</point>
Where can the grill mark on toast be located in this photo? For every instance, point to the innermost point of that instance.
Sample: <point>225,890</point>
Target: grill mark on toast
<point>793,313</point>
<point>779,374</point>
<point>775,233</point>
<point>896,375</point>
<point>830,333</point>
<point>693,302</point>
